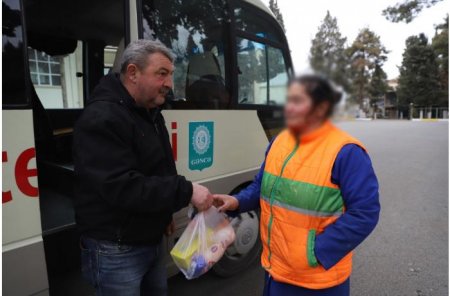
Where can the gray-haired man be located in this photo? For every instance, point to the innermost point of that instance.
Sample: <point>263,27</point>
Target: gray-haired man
<point>127,186</point>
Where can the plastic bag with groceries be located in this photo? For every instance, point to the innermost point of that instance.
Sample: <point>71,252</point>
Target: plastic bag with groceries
<point>203,243</point>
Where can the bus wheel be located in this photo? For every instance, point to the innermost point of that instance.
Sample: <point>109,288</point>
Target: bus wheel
<point>246,247</point>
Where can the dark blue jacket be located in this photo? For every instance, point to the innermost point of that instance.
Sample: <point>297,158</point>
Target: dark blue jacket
<point>354,174</point>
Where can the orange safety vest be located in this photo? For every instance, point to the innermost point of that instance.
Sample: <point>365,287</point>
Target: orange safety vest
<point>298,201</point>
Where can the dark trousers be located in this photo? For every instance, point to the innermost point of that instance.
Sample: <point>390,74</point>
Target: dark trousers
<point>274,288</point>
<point>123,270</point>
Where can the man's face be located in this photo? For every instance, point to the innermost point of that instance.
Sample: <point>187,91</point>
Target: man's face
<point>154,82</point>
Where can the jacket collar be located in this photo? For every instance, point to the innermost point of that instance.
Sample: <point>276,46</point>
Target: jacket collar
<point>317,133</point>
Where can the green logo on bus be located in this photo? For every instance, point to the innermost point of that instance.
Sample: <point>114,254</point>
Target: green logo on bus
<point>201,145</point>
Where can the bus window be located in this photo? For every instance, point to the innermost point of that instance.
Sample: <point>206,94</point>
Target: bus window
<point>252,65</point>
<point>262,73</point>
<point>278,76</point>
<point>13,93</point>
<point>195,31</point>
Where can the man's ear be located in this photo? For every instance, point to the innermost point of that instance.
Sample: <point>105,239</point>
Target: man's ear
<point>132,72</point>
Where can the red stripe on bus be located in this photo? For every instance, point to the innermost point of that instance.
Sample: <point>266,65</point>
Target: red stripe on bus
<point>174,146</point>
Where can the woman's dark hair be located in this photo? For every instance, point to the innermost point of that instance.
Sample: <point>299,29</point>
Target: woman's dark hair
<point>319,89</point>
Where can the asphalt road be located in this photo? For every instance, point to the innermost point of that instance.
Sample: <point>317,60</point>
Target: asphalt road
<point>407,254</point>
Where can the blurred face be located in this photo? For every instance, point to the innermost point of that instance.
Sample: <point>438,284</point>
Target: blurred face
<point>152,83</point>
<point>299,112</point>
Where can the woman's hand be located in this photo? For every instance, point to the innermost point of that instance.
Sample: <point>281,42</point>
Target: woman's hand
<point>225,202</point>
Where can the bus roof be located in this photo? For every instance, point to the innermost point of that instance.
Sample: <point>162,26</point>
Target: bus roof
<point>260,5</point>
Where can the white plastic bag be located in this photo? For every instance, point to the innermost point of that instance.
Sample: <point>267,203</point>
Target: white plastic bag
<point>203,243</point>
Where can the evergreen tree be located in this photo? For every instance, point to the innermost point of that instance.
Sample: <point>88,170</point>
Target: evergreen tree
<point>367,55</point>
<point>440,46</point>
<point>407,10</point>
<point>273,5</point>
<point>378,85</point>
<point>419,73</point>
<point>327,53</point>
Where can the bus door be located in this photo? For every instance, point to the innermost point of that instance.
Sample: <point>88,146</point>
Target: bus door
<point>70,47</point>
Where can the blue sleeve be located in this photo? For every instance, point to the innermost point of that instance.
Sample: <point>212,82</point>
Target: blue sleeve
<point>354,174</point>
<point>249,196</point>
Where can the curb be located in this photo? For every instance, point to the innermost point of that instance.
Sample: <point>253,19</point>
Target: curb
<point>430,119</point>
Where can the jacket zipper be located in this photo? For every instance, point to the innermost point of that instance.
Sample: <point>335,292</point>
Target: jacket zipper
<point>120,231</point>
<point>275,183</point>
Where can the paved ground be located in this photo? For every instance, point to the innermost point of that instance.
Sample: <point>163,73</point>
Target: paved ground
<point>407,255</point>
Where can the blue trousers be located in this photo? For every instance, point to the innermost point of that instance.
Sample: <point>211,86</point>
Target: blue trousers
<point>123,270</point>
<point>274,288</point>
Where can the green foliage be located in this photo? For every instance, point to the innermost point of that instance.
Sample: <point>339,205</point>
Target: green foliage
<point>273,5</point>
<point>359,68</point>
<point>367,55</point>
<point>419,74</point>
<point>407,10</point>
<point>440,46</point>
<point>327,53</point>
<point>378,85</point>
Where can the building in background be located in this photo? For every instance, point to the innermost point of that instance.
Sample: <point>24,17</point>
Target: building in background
<point>391,109</point>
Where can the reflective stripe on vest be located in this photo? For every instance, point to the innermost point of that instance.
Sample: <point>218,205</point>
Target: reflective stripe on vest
<point>298,199</point>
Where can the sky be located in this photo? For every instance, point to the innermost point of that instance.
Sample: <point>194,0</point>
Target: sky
<point>302,19</point>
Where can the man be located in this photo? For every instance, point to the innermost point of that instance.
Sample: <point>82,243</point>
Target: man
<point>127,186</point>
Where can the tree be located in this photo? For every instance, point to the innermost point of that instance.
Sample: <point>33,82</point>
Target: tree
<point>440,46</point>
<point>327,53</point>
<point>419,74</point>
<point>407,10</point>
<point>367,55</point>
<point>273,5</point>
<point>378,85</point>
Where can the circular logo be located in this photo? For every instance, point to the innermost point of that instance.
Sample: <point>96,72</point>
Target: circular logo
<point>201,139</point>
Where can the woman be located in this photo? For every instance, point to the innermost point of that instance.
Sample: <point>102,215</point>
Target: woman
<point>318,195</point>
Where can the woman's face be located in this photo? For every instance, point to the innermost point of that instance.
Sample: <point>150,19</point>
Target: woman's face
<point>297,108</point>
<point>299,111</point>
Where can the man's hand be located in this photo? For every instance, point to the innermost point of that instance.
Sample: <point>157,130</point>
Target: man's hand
<point>201,197</point>
<point>225,202</point>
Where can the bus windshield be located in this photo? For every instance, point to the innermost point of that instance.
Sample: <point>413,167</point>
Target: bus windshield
<point>196,34</point>
<point>200,33</point>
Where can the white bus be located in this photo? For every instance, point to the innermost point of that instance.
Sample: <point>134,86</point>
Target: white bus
<point>232,65</point>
